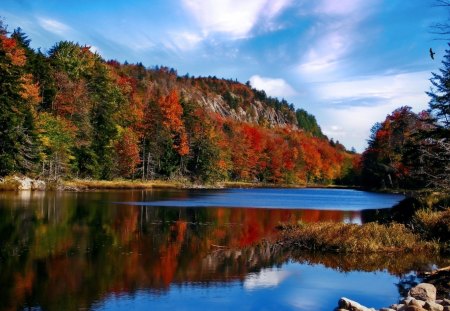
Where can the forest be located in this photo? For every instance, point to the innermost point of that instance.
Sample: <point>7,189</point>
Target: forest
<point>68,113</point>
<point>411,150</point>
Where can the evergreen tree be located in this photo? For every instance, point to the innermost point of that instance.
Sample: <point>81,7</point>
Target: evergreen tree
<point>435,148</point>
<point>17,96</point>
<point>440,94</point>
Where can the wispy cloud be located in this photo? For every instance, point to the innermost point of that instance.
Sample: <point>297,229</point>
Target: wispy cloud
<point>354,106</point>
<point>341,7</point>
<point>406,87</point>
<point>273,87</point>
<point>327,52</point>
<point>54,26</point>
<point>235,18</point>
<point>183,41</point>
<point>334,37</point>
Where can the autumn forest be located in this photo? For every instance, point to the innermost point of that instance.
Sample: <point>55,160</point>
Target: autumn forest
<point>69,113</point>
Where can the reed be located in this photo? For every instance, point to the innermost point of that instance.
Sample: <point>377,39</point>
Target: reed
<point>353,238</point>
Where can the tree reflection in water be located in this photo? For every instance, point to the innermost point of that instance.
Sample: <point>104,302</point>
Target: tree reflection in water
<point>64,251</point>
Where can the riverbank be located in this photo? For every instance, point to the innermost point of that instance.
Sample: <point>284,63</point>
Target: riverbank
<point>14,183</point>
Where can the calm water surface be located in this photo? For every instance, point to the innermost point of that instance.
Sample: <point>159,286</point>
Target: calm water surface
<point>186,250</point>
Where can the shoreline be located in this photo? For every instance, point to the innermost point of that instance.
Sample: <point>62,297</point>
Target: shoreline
<point>16,183</point>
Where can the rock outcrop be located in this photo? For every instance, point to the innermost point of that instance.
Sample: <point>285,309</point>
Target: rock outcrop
<point>255,112</point>
<point>23,183</point>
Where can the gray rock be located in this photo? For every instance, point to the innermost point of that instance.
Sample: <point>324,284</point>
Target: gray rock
<point>387,309</point>
<point>348,304</point>
<point>397,306</point>
<point>423,291</point>
<point>23,182</point>
<point>432,306</point>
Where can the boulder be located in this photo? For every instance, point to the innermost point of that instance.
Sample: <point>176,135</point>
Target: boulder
<point>432,306</point>
<point>24,183</point>
<point>387,309</point>
<point>414,308</point>
<point>423,291</point>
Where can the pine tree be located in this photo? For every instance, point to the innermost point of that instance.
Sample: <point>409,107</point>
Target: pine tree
<point>440,94</point>
<point>17,96</point>
<point>435,149</point>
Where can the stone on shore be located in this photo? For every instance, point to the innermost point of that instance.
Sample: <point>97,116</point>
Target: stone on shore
<point>347,304</point>
<point>432,306</point>
<point>423,291</point>
<point>26,183</point>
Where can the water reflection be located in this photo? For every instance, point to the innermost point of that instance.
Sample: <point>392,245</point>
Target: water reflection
<point>66,251</point>
<point>317,199</point>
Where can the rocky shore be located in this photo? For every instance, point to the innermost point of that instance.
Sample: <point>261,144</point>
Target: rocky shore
<point>22,183</point>
<point>420,298</point>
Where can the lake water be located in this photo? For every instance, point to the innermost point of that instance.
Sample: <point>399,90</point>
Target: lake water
<point>187,250</point>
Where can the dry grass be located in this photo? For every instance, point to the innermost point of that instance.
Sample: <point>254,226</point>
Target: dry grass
<point>433,225</point>
<point>352,238</point>
<point>86,184</point>
<point>9,184</point>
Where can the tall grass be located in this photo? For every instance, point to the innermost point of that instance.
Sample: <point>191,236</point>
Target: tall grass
<point>352,238</point>
<point>86,184</point>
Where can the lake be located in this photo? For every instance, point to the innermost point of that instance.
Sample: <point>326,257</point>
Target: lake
<point>188,250</point>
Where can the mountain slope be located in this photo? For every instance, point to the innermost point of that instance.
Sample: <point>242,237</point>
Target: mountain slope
<point>87,117</point>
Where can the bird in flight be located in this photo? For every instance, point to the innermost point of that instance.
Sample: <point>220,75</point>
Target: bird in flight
<point>432,54</point>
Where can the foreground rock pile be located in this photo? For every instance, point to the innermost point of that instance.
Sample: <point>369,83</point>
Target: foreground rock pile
<point>420,298</point>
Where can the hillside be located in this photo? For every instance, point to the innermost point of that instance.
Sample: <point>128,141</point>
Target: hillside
<point>69,113</point>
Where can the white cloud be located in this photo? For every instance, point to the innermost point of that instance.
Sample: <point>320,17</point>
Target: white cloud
<point>233,17</point>
<point>95,49</point>
<point>265,278</point>
<point>273,87</point>
<point>334,38</point>
<point>326,52</point>
<point>183,41</point>
<point>54,26</point>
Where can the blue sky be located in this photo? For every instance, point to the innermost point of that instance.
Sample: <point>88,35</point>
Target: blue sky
<point>348,62</point>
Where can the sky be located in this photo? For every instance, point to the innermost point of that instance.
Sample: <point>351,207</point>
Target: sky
<point>348,62</point>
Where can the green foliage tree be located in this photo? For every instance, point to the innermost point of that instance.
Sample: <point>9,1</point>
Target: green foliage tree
<point>308,123</point>
<point>56,146</point>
